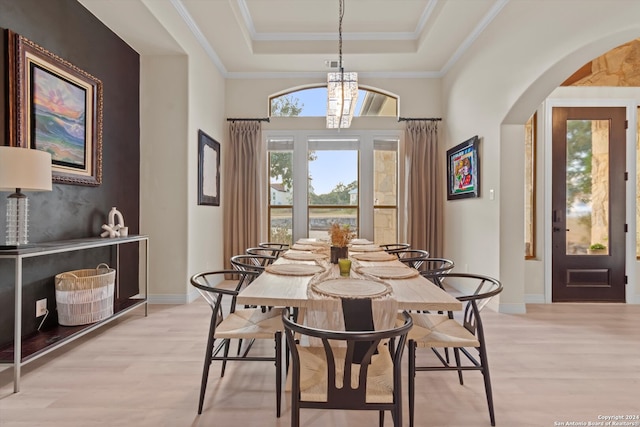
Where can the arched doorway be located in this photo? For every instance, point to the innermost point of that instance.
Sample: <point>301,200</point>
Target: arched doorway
<point>596,73</point>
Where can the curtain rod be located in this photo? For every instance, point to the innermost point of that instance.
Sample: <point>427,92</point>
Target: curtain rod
<point>263,119</point>
<point>408,119</point>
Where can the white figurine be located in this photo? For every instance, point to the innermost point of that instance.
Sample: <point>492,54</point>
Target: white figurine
<point>111,229</point>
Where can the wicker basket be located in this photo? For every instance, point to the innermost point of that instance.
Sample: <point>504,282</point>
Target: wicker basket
<point>85,296</point>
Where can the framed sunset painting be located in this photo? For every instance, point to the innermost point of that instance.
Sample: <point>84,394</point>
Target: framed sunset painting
<point>58,110</point>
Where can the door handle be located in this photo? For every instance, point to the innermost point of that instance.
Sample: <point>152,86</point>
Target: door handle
<point>559,229</point>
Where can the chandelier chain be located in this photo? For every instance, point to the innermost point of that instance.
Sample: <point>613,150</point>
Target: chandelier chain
<point>340,16</point>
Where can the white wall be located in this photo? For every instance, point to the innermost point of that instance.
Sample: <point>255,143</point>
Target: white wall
<point>163,199</point>
<point>179,94</point>
<point>206,112</point>
<point>526,52</point>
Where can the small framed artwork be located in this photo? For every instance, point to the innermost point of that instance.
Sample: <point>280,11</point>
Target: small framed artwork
<point>208,170</point>
<point>58,109</point>
<point>463,170</point>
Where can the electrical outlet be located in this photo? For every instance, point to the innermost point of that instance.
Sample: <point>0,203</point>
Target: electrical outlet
<point>41,307</point>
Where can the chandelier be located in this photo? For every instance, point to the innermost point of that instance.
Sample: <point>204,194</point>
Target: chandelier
<point>342,89</point>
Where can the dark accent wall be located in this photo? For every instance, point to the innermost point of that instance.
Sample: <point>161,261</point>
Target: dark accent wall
<point>67,29</point>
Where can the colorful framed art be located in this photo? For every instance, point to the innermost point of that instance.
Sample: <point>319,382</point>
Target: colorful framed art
<point>463,170</point>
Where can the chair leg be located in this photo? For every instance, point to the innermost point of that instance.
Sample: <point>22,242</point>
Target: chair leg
<point>487,383</point>
<point>397,410</point>
<point>412,379</point>
<point>226,354</point>
<point>278,372</point>
<point>295,411</point>
<point>207,364</point>
<point>456,353</point>
<point>381,419</point>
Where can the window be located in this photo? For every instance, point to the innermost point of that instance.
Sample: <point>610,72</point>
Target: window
<point>312,102</point>
<point>281,191</point>
<point>317,178</point>
<point>385,190</point>
<point>333,187</point>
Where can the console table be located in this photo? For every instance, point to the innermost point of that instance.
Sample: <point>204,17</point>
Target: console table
<point>29,349</point>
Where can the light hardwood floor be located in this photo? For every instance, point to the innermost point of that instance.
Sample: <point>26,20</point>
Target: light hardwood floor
<point>558,363</point>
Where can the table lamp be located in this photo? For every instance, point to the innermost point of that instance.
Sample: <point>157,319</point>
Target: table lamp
<point>22,169</point>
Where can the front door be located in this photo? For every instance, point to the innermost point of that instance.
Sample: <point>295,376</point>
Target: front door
<point>588,202</point>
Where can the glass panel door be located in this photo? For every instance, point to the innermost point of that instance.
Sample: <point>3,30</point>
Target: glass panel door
<point>587,193</point>
<point>332,190</point>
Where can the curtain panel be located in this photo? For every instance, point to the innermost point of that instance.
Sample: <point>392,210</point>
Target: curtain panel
<point>244,188</point>
<point>424,186</point>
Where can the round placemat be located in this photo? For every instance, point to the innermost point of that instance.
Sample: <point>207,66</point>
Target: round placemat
<point>374,256</point>
<point>311,242</point>
<point>304,256</point>
<point>312,248</point>
<point>351,288</point>
<point>365,248</point>
<point>361,242</point>
<point>389,272</point>
<point>294,269</point>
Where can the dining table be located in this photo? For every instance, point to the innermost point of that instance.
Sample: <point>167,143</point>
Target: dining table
<point>285,283</point>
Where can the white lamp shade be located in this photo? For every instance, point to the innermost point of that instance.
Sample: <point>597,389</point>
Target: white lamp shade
<point>23,168</point>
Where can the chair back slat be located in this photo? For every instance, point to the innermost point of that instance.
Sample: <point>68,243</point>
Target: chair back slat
<point>485,289</point>
<point>433,268</point>
<point>207,285</point>
<point>394,247</point>
<point>413,258</point>
<point>249,262</point>
<point>341,393</point>
<point>263,256</point>
<point>276,248</point>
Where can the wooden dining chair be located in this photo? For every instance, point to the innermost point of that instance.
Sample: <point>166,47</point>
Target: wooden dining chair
<point>433,268</point>
<point>267,255</point>
<point>228,323</point>
<point>465,337</point>
<point>250,262</point>
<point>276,248</point>
<point>413,258</point>
<point>334,375</point>
<point>393,247</point>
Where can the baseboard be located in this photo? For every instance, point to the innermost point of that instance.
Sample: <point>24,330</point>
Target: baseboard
<point>634,299</point>
<point>534,299</point>
<point>173,298</point>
